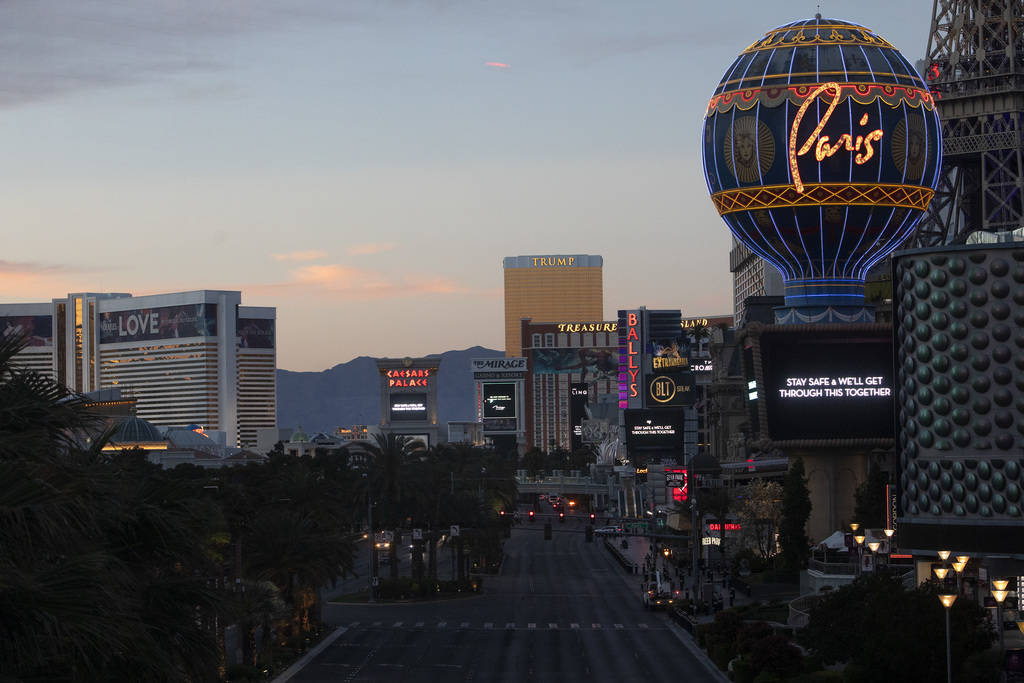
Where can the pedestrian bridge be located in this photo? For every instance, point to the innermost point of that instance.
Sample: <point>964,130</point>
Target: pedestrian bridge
<point>560,484</point>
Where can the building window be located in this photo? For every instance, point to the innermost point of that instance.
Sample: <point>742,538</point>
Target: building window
<point>549,339</point>
<point>536,340</point>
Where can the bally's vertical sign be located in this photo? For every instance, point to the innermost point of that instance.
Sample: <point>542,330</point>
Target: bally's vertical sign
<point>630,355</point>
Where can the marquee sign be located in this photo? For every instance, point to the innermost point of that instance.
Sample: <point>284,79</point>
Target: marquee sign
<point>630,348</point>
<point>408,378</point>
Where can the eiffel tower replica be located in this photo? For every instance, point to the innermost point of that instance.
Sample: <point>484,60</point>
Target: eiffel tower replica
<point>975,69</point>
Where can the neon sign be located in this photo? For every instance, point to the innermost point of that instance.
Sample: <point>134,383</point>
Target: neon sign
<point>632,353</point>
<point>414,377</point>
<point>822,149</point>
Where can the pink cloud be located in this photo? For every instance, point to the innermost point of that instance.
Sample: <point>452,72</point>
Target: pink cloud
<point>336,280</point>
<point>371,248</point>
<point>311,255</point>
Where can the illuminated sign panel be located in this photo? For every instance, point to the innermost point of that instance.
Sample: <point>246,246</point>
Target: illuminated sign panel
<point>579,395</point>
<point>630,350</point>
<point>671,389</point>
<point>662,429</point>
<point>677,481</point>
<point>592,364</point>
<point>588,327</point>
<point>828,386</point>
<point>553,261</point>
<point>499,368</point>
<point>409,408</point>
<point>165,322</point>
<point>499,399</point>
<point>409,378</point>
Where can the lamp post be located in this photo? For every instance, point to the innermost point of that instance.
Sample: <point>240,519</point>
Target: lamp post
<point>999,592</point>
<point>947,602</point>
<point>874,546</point>
<point>958,567</point>
<point>888,547</point>
<point>860,550</point>
<point>371,538</point>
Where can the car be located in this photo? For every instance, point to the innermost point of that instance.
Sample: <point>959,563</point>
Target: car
<point>608,531</point>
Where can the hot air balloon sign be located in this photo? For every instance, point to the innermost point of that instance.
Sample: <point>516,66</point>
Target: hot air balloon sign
<point>822,147</point>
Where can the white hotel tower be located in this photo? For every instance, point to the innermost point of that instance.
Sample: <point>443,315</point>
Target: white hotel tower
<point>195,357</point>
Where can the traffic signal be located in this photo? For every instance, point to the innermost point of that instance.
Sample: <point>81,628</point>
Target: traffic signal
<point>502,513</point>
<point>592,518</point>
<point>561,517</point>
<point>531,515</point>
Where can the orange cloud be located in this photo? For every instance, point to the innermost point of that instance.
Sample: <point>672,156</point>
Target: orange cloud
<point>311,255</point>
<point>371,248</point>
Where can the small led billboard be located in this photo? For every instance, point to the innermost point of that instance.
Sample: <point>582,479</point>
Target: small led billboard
<point>499,399</point>
<point>654,428</point>
<point>409,408</point>
<point>828,385</point>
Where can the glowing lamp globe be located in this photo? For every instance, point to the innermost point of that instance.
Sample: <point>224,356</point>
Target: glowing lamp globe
<point>822,147</point>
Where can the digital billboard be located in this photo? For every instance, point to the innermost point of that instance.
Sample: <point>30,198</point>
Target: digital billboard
<point>828,385</point>
<point>671,389</point>
<point>255,333</point>
<point>499,399</point>
<point>165,322</point>
<point>678,483</point>
<point>662,429</point>
<point>409,408</point>
<point>593,364</point>
<point>579,396</point>
<point>37,329</point>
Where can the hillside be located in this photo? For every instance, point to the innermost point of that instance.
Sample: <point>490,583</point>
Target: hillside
<point>349,393</point>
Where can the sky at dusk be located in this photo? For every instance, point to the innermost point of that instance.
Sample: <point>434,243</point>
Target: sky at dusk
<point>365,165</point>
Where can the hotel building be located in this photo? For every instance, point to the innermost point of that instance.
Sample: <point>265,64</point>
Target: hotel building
<point>558,287</point>
<point>196,357</point>
<point>570,365</point>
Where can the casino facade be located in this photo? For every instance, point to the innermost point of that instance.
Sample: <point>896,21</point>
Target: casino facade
<point>196,357</point>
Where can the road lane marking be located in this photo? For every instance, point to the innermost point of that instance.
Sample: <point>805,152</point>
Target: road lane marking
<point>354,624</point>
<point>531,625</point>
<point>643,625</point>
<point>442,624</point>
<point>464,624</point>
<point>376,624</point>
<point>510,626</point>
<point>489,624</point>
<point>551,625</point>
<point>574,625</point>
<point>419,624</point>
<point>595,626</point>
<point>398,624</point>
<point>618,625</point>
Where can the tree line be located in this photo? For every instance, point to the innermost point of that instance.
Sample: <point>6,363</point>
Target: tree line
<point>112,568</point>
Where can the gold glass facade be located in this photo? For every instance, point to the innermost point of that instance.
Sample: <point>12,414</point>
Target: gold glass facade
<point>550,293</point>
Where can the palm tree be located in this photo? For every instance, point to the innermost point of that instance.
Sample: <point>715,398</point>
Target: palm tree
<point>102,560</point>
<point>390,453</point>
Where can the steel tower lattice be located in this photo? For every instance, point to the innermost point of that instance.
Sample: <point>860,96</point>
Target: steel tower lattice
<point>975,69</point>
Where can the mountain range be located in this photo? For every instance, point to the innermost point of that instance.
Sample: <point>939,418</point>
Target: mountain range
<point>349,393</point>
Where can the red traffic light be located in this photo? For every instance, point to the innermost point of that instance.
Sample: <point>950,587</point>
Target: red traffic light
<point>531,513</point>
<point>561,514</point>
<point>592,515</point>
<point>502,513</point>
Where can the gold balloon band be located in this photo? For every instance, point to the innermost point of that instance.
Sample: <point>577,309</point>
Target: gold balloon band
<point>818,34</point>
<point>822,194</point>
<point>861,93</point>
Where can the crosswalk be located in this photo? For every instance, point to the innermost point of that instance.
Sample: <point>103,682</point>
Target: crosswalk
<point>508,626</point>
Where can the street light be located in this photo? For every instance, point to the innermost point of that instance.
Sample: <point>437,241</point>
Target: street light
<point>947,602</point>
<point>854,526</point>
<point>860,551</point>
<point>999,592</point>
<point>889,532</point>
<point>941,572</point>
<point>943,555</point>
